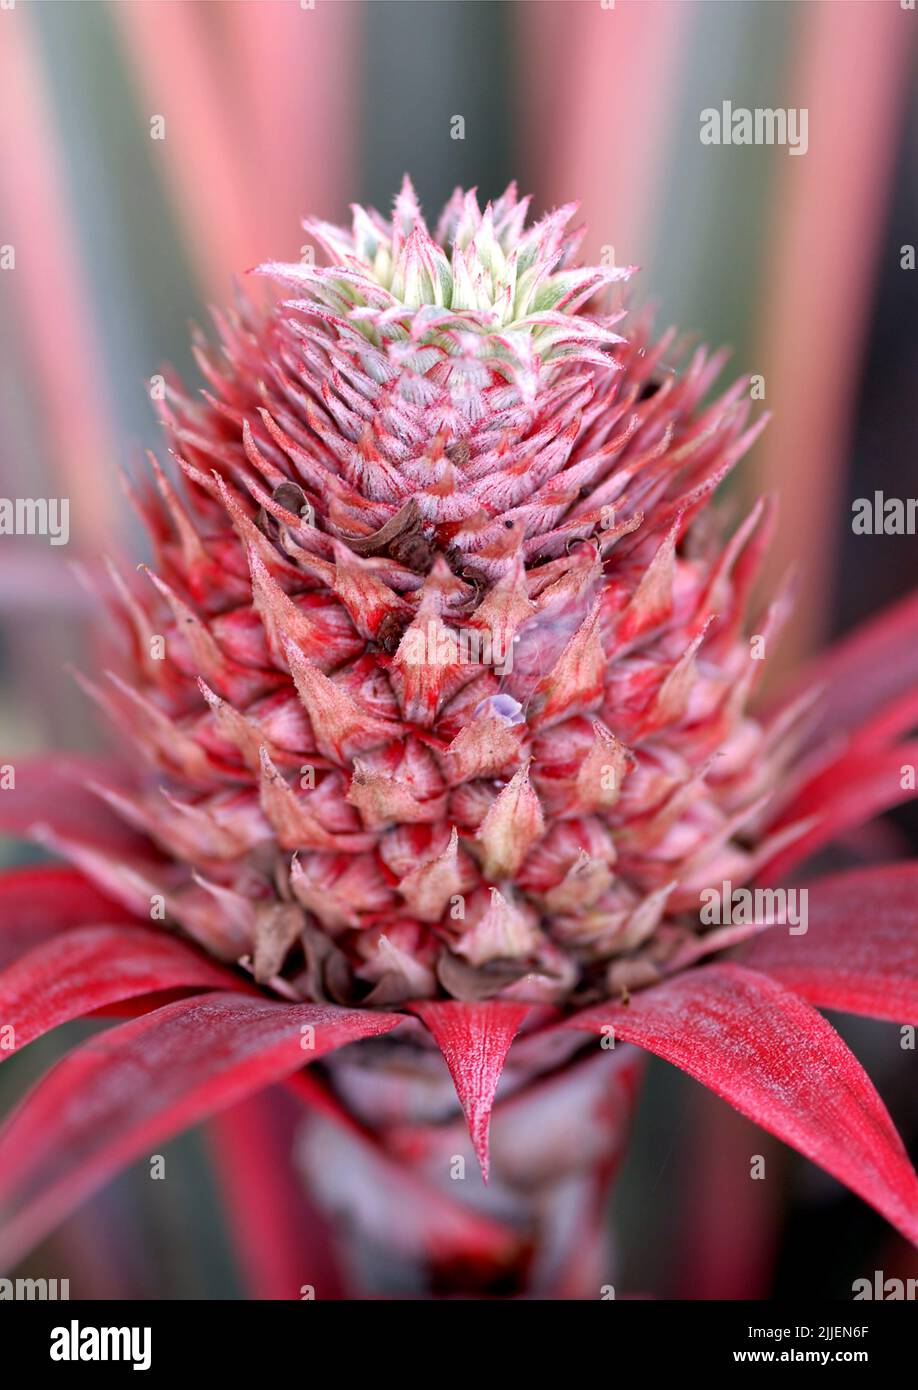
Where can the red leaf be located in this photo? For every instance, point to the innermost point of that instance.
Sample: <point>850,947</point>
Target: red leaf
<point>90,967</point>
<point>474,1040</point>
<point>898,717</point>
<point>874,666</point>
<point>780,1063</point>
<point>850,791</point>
<point>282,1242</point>
<point>143,1003</point>
<point>37,903</point>
<point>53,790</point>
<point>860,952</point>
<point>136,1085</point>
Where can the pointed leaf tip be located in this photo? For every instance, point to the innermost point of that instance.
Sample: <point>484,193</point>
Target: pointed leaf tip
<point>474,1040</point>
<point>779,1063</point>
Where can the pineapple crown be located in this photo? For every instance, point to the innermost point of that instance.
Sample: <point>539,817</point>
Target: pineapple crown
<point>484,293</point>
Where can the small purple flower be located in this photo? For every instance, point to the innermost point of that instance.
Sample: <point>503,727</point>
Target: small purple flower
<point>504,706</point>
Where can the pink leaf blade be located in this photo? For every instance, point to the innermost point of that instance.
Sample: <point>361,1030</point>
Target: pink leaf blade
<point>845,794</point>
<point>841,204</point>
<point>40,902</point>
<point>860,951</point>
<point>138,1084</point>
<point>54,790</point>
<point>281,1240</point>
<point>92,967</point>
<point>474,1039</point>
<point>777,1061</point>
<point>870,670</point>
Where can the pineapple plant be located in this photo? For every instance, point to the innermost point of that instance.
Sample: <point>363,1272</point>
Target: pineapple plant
<point>441,681</point>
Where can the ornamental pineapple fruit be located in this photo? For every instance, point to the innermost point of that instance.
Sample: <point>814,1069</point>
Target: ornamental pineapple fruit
<point>442,670</point>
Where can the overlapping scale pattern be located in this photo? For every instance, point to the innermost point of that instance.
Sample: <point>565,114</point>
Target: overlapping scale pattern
<point>442,665</point>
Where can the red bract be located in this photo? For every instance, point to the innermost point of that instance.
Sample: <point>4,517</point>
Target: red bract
<point>444,685</point>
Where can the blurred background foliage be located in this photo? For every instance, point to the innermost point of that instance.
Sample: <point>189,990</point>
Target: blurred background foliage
<point>274,108</point>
